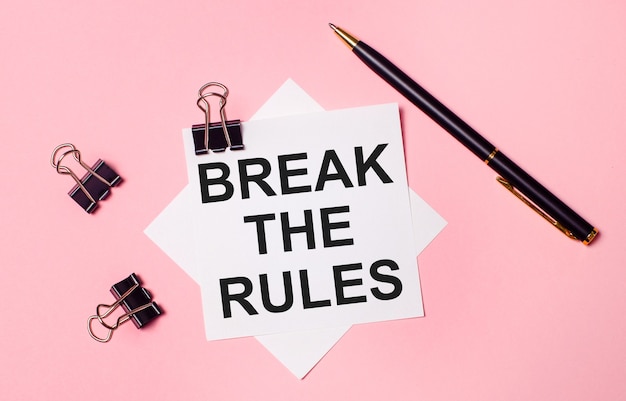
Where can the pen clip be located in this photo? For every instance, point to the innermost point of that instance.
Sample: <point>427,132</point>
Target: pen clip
<point>531,205</point>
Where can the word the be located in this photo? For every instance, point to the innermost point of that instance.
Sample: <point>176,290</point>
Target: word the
<point>306,229</point>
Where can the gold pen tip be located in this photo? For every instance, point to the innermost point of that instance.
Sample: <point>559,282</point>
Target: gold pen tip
<point>350,40</point>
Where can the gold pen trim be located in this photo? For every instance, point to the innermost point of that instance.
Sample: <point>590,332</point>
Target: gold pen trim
<point>491,156</point>
<point>591,236</point>
<point>540,212</point>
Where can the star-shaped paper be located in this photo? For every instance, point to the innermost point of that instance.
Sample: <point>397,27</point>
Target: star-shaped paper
<point>173,230</point>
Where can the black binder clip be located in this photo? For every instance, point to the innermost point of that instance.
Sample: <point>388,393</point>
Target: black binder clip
<point>219,135</point>
<point>136,302</point>
<point>95,184</point>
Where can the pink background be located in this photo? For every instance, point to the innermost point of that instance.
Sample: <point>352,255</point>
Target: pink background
<point>514,310</point>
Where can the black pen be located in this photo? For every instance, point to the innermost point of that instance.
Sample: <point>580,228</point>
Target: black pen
<point>516,180</point>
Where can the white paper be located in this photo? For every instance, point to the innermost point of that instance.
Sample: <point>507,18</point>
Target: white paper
<point>335,181</point>
<point>299,351</point>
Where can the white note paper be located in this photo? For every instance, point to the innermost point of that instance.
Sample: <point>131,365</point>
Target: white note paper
<point>356,209</point>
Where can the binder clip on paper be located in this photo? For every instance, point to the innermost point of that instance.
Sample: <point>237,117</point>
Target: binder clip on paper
<point>216,136</point>
<point>136,302</point>
<point>95,184</point>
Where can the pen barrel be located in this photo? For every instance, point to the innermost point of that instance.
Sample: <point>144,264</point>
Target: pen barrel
<point>540,196</point>
<point>424,101</point>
